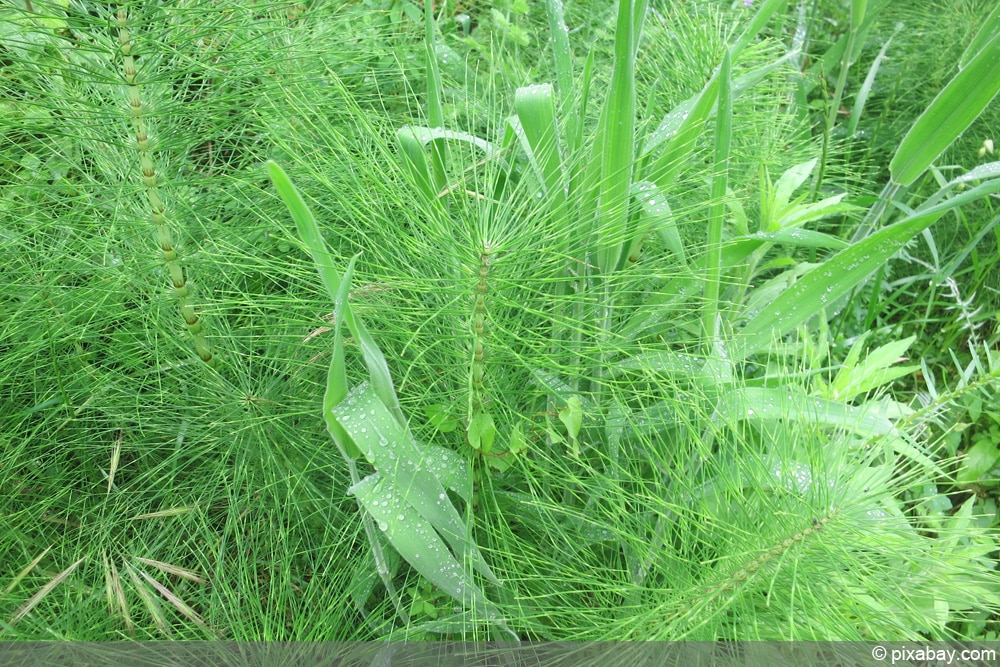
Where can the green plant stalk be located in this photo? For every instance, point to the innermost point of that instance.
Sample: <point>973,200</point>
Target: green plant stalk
<point>838,94</point>
<point>614,151</point>
<point>477,366</point>
<point>717,210</point>
<point>435,111</point>
<point>182,291</point>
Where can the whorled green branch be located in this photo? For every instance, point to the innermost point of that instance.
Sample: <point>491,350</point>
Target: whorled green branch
<point>182,290</point>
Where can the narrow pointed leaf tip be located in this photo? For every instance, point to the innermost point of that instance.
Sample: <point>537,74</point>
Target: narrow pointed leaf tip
<point>951,112</point>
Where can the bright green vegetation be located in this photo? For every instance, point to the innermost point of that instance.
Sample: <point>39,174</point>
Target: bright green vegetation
<point>563,320</point>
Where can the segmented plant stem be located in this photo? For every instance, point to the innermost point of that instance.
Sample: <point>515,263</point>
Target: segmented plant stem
<point>182,291</point>
<point>771,554</point>
<point>685,606</point>
<point>477,370</point>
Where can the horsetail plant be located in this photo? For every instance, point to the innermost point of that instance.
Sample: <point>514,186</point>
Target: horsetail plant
<point>684,445</point>
<point>588,189</point>
<point>481,429</point>
<point>406,494</point>
<point>182,287</point>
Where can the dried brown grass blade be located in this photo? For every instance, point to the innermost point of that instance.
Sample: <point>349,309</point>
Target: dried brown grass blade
<point>42,592</point>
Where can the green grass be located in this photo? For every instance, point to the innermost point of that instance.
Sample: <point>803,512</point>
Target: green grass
<point>691,379</point>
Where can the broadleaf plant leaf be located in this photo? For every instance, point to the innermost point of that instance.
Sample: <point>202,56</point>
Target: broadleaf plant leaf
<point>390,448</point>
<point>413,537</point>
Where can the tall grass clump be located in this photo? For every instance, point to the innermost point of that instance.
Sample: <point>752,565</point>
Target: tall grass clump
<point>555,322</point>
<point>659,397</point>
<point>144,493</point>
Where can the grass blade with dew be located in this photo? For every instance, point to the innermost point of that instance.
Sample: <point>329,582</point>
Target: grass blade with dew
<point>563,57</point>
<point>535,109</point>
<point>614,147</point>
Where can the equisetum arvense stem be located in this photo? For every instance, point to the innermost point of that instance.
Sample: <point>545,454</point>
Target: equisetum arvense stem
<point>479,331</point>
<point>182,291</point>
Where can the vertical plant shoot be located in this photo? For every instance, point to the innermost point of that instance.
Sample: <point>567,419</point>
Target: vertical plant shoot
<point>182,291</point>
<point>481,426</point>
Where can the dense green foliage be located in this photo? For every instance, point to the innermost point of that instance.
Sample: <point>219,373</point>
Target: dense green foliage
<point>646,320</point>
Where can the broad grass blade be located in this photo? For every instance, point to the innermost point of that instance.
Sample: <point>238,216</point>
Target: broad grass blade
<point>858,8</point>
<point>866,88</point>
<point>450,469</point>
<point>757,403</point>
<point>435,110</point>
<point>337,385</point>
<point>615,143</point>
<point>563,57</point>
<point>535,109</point>
<point>417,165</point>
<point>798,238</point>
<point>987,31</point>
<point>671,124</point>
<point>771,403</point>
<point>309,231</point>
<point>416,541</point>
<point>839,274</point>
<point>653,205</point>
<point>952,111</point>
<point>717,207</point>
<point>414,141</point>
<point>392,450</point>
<point>680,129</point>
